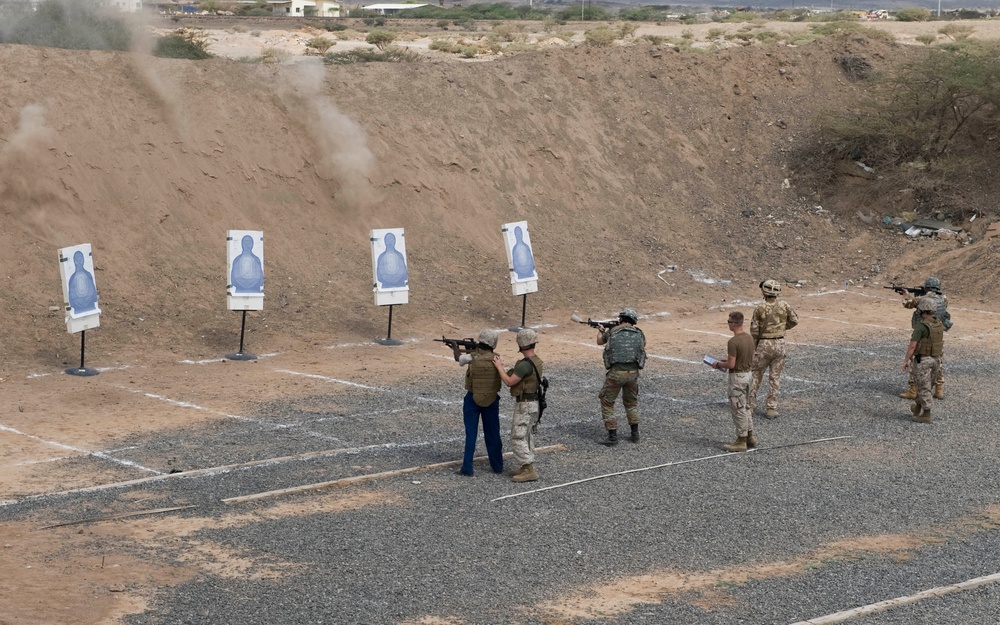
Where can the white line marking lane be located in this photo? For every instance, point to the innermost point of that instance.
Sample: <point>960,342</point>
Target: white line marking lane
<point>890,604</point>
<point>97,454</point>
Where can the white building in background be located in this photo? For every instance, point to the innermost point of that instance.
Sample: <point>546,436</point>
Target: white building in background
<point>300,8</point>
<point>391,9</point>
<point>127,6</point>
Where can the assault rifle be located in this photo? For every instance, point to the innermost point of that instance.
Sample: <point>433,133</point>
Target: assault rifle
<point>465,345</point>
<point>604,325</point>
<point>919,291</point>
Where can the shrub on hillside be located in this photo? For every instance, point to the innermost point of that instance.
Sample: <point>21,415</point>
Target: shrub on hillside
<point>71,24</point>
<point>852,28</point>
<point>956,32</point>
<point>182,44</point>
<point>913,14</point>
<point>931,111</point>
<point>600,37</point>
<point>380,38</point>
<point>441,45</point>
<point>367,55</point>
<point>320,44</point>
<point>627,29</point>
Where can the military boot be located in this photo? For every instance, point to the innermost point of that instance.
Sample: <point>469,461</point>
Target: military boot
<point>739,445</point>
<point>911,393</point>
<point>915,409</point>
<point>924,417</point>
<point>751,440</point>
<point>519,471</point>
<point>939,390</point>
<point>612,438</point>
<point>771,413</point>
<point>635,432</point>
<point>527,473</point>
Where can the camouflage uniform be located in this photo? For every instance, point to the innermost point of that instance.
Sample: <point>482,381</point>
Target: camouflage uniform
<point>770,321</point>
<point>624,356</point>
<point>925,364</point>
<point>525,420</point>
<point>941,312</point>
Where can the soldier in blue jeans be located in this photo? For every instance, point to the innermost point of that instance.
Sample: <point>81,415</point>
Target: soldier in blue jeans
<point>482,402</point>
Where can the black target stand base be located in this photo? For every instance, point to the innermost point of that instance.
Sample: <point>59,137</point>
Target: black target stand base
<point>242,355</point>
<point>82,371</point>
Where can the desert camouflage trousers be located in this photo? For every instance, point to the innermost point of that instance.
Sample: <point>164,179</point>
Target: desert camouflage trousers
<point>626,383</point>
<point>770,355</point>
<point>925,373</point>
<point>940,373</point>
<point>522,432</point>
<point>739,402</point>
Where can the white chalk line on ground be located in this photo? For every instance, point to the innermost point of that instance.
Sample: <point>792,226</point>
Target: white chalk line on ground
<point>891,604</point>
<point>855,323</point>
<point>186,404</point>
<point>97,454</point>
<point>221,470</point>
<point>667,464</point>
<point>315,376</point>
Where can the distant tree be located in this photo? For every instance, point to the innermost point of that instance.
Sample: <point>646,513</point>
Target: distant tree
<point>380,38</point>
<point>182,45</point>
<point>71,24</point>
<point>956,32</point>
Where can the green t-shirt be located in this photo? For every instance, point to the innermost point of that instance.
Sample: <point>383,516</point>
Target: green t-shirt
<point>920,331</point>
<point>523,369</point>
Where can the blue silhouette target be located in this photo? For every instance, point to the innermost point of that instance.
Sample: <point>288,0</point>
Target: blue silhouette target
<point>82,289</point>
<point>76,267</point>
<point>520,258</point>
<point>389,269</point>
<point>248,272</point>
<point>245,256</point>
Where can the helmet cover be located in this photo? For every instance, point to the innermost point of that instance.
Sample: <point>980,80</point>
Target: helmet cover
<point>630,315</point>
<point>489,337</point>
<point>526,338</point>
<point>927,304</point>
<point>770,288</point>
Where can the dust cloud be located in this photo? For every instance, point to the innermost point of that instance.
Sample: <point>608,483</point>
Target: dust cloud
<point>165,93</point>
<point>344,155</point>
<point>27,192</point>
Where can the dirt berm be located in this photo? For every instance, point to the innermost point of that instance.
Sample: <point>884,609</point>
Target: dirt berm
<point>625,161</point>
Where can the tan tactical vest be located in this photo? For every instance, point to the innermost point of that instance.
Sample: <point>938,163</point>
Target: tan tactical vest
<point>482,378</point>
<point>932,345</point>
<point>530,383</point>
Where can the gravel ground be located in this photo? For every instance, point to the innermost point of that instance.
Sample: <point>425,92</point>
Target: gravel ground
<point>444,549</point>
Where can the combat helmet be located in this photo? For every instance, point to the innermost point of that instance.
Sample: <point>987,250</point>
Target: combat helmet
<point>770,288</point>
<point>489,337</point>
<point>629,314</point>
<point>932,284</point>
<point>526,338</point>
<point>927,304</point>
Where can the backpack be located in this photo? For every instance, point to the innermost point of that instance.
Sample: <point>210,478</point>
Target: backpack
<point>543,387</point>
